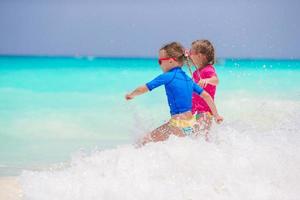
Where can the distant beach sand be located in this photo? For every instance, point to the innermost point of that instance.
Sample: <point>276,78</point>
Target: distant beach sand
<point>10,188</point>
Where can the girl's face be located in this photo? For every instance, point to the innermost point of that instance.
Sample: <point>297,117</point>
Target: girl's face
<point>165,62</point>
<point>198,59</point>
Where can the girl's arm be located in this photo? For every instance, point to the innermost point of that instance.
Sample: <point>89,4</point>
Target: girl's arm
<point>207,98</point>
<point>212,81</point>
<point>138,91</point>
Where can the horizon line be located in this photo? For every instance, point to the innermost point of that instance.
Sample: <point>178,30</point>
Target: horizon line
<point>89,57</point>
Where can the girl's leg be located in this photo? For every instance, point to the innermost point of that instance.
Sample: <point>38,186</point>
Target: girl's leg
<point>203,124</point>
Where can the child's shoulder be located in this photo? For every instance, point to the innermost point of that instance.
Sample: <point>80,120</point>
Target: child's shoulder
<point>209,68</point>
<point>167,75</point>
<point>206,72</point>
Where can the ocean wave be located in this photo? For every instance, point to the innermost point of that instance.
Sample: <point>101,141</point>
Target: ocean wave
<point>235,164</point>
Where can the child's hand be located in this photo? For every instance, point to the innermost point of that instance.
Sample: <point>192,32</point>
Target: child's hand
<point>203,83</point>
<point>129,96</point>
<point>219,119</point>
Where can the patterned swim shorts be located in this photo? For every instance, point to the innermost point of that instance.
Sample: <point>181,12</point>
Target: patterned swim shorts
<point>199,124</point>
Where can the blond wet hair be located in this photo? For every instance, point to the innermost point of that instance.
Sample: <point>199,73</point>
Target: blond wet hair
<point>206,48</point>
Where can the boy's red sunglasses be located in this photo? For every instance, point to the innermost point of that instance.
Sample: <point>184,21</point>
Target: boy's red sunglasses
<point>162,59</point>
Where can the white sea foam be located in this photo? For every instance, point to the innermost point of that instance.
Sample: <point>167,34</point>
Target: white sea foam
<point>245,159</point>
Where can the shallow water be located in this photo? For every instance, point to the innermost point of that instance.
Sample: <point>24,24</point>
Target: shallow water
<point>65,120</point>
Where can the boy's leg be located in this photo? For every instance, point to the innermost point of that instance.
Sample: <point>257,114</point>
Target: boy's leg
<point>162,133</point>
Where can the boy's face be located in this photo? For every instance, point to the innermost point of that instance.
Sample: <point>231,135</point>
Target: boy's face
<point>167,64</point>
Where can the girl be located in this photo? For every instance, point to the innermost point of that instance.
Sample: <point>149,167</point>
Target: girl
<point>202,55</point>
<point>179,88</point>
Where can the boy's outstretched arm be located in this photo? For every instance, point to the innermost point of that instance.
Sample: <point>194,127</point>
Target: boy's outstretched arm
<point>207,98</point>
<point>138,91</point>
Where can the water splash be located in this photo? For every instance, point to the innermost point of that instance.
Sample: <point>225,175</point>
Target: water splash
<point>234,165</point>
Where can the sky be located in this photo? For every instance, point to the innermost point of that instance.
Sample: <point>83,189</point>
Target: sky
<point>138,28</point>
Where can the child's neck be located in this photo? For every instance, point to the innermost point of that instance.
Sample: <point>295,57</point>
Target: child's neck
<point>201,66</point>
<point>172,67</point>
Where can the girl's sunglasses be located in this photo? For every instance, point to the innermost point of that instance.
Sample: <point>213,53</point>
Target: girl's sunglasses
<point>162,59</point>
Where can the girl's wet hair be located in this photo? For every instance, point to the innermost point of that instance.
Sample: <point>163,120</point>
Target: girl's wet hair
<point>206,48</point>
<point>175,50</point>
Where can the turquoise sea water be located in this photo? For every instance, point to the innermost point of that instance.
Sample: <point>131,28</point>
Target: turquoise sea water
<point>54,109</point>
<point>50,107</point>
